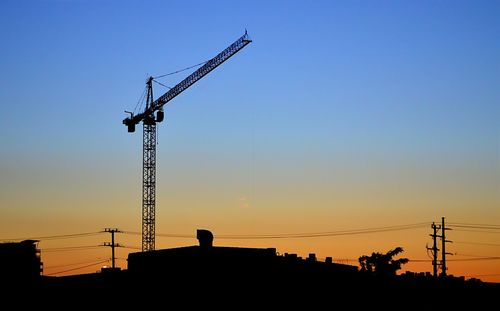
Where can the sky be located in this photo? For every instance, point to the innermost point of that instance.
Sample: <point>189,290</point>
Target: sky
<point>339,116</point>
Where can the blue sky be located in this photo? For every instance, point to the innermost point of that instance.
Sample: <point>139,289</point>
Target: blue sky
<point>408,71</point>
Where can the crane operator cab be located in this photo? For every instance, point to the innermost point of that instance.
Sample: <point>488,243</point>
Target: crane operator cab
<point>149,120</point>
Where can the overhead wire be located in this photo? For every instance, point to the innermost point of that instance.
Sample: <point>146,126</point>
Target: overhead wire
<point>473,224</point>
<point>70,248</point>
<point>469,255</point>
<point>243,236</point>
<point>457,226</point>
<point>168,235</point>
<point>486,227</point>
<point>130,247</point>
<point>419,260</point>
<point>476,259</point>
<point>459,259</point>
<point>299,235</point>
<point>71,264</point>
<point>78,268</point>
<point>477,231</point>
<point>55,237</point>
<point>478,275</point>
<point>327,233</point>
<point>261,236</point>
<point>476,243</point>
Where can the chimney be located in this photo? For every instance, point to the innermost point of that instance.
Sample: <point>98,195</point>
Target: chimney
<point>205,238</point>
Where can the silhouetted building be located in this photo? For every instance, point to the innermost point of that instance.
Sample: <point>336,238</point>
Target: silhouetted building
<point>20,260</point>
<point>232,265</point>
<point>213,277</point>
<point>202,261</point>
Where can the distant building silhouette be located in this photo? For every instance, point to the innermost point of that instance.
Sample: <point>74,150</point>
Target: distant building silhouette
<point>20,260</point>
<point>231,264</point>
<point>214,277</point>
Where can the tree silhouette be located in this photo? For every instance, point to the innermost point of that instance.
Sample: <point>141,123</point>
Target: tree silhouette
<point>382,264</point>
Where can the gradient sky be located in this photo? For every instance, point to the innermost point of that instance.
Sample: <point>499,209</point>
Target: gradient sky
<point>340,115</point>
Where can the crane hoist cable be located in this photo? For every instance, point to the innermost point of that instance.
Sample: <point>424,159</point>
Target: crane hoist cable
<point>168,87</point>
<point>180,70</point>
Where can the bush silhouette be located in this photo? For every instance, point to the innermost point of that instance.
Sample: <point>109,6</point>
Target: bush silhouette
<point>382,264</point>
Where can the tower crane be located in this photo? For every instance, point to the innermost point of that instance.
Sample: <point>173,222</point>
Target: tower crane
<point>152,114</point>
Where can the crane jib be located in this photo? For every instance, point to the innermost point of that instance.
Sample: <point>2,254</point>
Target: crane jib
<point>188,81</point>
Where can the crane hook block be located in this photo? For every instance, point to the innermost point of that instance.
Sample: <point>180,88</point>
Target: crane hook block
<point>131,127</point>
<point>160,115</point>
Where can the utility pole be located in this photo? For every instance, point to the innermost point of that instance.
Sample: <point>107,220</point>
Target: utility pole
<point>443,247</point>
<point>112,244</point>
<point>434,248</point>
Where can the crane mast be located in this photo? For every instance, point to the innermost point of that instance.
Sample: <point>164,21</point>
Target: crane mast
<point>149,120</point>
<point>148,175</point>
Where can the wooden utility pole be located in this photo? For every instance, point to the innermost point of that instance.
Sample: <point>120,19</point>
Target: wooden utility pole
<point>434,249</point>
<point>112,244</point>
<point>443,247</point>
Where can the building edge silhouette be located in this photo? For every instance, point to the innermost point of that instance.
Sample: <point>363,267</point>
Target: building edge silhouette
<point>235,277</point>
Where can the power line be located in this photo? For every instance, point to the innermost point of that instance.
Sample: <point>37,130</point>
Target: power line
<point>241,236</point>
<point>419,260</point>
<point>477,275</point>
<point>79,268</point>
<point>477,243</point>
<point>471,224</point>
<point>328,233</point>
<point>167,235</point>
<point>70,248</point>
<point>54,237</point>
<point>477,259</point>
<point>478,231</point>
<point>130,247</point>
<point>300,235</point>
<point>71,264</point>
<point>469,255</point>
<point>461,259</point>
<point>488,227</point>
